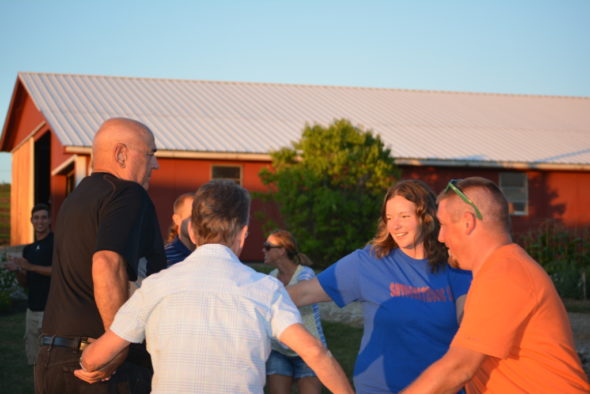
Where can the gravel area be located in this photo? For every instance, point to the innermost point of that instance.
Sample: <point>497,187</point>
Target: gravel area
<point>351,314</point>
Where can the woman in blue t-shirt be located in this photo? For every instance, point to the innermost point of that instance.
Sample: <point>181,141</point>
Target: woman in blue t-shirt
<point>412,300</point>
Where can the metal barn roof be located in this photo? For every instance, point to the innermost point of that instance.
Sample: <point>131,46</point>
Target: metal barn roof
<point>428,127</point>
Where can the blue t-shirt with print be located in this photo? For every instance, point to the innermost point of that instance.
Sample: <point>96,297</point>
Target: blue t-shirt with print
<point>409,314</point>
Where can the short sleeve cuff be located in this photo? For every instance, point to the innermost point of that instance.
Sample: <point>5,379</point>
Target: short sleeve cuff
<point>127,323</point>
<point>284,313</point>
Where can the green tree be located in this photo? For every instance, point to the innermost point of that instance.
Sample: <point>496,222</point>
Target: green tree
<point>329,186</point>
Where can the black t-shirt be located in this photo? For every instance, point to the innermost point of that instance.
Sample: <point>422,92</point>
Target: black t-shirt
<point>102,213</point>
<point>38,253</point>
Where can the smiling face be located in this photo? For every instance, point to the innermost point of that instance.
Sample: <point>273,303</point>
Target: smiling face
<point>40,220</point>
<point>404,226</point>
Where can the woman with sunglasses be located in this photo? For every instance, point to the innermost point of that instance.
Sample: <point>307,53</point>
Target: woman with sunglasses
<point>411,299</point>
<point>284,366</point>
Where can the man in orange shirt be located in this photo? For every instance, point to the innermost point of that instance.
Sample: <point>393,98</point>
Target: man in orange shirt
<point>515,335</point>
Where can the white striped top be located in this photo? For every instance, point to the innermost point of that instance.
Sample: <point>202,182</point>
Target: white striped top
<point>309,313</point>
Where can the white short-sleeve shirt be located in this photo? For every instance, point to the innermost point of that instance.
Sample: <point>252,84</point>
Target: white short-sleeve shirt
<point>208,322</point>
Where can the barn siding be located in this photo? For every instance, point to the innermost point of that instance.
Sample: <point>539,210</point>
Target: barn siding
<point>21,194</point>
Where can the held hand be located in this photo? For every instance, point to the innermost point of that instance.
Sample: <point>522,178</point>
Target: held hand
<point>91,377</point>
<point>104,373</point>
<point>11,266</point>
<point>16,263</point>
<point>23,263</point>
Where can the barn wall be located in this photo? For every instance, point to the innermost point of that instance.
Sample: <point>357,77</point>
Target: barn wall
<point>25,118</point>
<point>58,182</point>
<point>21,194</point>
<point>560,195</point>
<point>553,195</point>
<point>177,176</point>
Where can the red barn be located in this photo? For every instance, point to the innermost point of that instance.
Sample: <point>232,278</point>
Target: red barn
<point>537,148</point>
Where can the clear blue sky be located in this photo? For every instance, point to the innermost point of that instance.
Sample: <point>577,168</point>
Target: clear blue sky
<point>505,46</point>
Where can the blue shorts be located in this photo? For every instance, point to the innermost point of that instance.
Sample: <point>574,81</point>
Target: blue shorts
<point>279,364</point>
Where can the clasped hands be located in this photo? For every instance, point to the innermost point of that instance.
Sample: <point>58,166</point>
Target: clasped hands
<point>102,374</point>
<point>15,263</point>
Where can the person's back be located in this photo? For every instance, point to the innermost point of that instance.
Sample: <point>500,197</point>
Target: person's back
<point>71,310</point>
<point>106,230</point>
<point>210,323</point>
<point>208,320</point>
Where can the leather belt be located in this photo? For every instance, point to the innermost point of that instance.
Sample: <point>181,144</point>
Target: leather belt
<point>77,343</point>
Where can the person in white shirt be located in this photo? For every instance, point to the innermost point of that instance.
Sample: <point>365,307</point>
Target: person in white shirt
<point>209,320</point>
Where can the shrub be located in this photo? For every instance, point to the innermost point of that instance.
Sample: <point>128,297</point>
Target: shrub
<point>7,287</point>
<point>329,186</point>
<point>565,255</point>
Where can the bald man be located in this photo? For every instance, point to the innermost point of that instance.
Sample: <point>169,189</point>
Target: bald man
<point>515,335</point>
<point>106,229</point>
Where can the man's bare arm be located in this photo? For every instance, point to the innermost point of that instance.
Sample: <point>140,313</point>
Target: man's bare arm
<point>308,292</point>
<point>317,357</point>
<point>101,355</point>
<point>449,374</point>
<point>109,277</point>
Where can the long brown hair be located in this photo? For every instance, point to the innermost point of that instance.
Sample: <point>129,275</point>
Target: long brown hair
<point>286,240</point>
<point>420,194</point>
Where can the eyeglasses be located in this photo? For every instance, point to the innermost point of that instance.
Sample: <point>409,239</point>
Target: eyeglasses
<point>268,246</point>
<point>149,153</point>
<point>451,185</point>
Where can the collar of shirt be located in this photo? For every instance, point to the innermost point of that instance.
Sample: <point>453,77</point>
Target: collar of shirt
<point>214,250</point>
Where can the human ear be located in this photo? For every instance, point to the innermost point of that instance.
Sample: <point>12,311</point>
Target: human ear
<point>120,154</point>
<point>469,221</point>
<point>191,235</point>
<point>176,220</point>
<point>243,236</point>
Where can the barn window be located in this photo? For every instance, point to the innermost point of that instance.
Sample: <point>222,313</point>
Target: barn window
<point>233,173</point>
<point>514,185</point>
<point>70,180</point>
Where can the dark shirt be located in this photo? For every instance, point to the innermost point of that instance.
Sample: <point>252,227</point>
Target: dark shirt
<point>102,213</point>
<point>176,251</point>
<point>38,253</point>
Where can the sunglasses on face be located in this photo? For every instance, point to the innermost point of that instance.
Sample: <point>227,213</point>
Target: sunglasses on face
<point>452,185</point>
<point>268,246</point>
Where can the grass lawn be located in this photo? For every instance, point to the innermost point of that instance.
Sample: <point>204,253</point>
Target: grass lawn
<point>16,377</point>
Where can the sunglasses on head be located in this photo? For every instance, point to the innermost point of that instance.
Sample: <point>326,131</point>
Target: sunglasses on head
<point>452,185</point>
<point>268,246</point>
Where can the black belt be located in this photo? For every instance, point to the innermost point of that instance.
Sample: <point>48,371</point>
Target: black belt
<point>77,343</point>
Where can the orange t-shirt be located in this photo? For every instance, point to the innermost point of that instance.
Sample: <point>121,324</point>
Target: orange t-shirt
<point>514,315</point>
